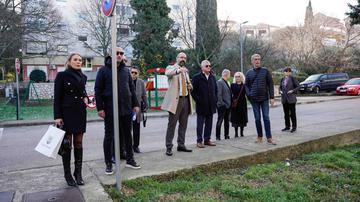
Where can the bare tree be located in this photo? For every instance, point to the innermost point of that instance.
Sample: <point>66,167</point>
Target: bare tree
<point>185,21</point>
<point>25,21</point>
<point>97,25</point>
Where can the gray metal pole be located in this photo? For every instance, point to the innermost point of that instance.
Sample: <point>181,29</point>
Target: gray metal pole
<point>115,99</point>
<point>17,95</point>
<point>241,51</point>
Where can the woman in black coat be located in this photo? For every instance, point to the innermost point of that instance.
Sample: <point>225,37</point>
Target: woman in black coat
<point>70,113</point>
<point>239,117</point>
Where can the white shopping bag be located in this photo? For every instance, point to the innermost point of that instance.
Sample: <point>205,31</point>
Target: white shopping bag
<point>1,132</point>
<point>50,143</point>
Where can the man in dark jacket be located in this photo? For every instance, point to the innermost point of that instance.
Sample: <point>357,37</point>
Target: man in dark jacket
<point>288,88</point>
<point>127,104</point>
<point>259,88</point>
<point>204,93</point>
<point>223,104</point>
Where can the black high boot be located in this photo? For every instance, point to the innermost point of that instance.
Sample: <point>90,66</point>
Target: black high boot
<point>78,154</point>
<point>66,157</point>
<point>236,132</point>
<point>242,131</point>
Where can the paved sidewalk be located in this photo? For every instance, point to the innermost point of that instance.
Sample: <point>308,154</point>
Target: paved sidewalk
<point>301,100</point>
<point>315,131</point>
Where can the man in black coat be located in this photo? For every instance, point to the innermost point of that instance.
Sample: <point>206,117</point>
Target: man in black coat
<point>204,93</point>
<point>127,105</point>
<point>259,89</point>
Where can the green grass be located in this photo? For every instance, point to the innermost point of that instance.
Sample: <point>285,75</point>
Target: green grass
<point>36,111</point>
<point>32,111</point>
<point>333,175</point>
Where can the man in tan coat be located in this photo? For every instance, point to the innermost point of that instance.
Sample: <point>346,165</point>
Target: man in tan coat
<point>178,103</point>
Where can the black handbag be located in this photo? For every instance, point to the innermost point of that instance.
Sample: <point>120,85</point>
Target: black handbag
<point>65,144</point>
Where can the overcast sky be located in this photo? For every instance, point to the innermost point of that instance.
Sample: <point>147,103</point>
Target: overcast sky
<point>279,12</point>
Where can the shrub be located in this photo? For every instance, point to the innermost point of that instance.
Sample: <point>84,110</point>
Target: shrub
<point>37,76</point>
<point>10,77</point>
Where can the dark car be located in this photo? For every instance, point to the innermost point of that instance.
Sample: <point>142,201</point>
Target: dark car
<point>323,82</point>
<point>352,87</point>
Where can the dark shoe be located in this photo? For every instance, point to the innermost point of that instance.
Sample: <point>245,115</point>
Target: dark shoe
<point>122,156</point>
<point>293,130</point>
<point>200,145</point>
<point>270,141</point>
<point>227,137</point>
<point>109,170</point>
<point>218,139</point>
<point>236,136</point>
<point>209,143</point>
<point>169,152</point>
<point>242,135</point>
<point>66,157</point>
<point>136,150</point>
<point>183,149</point>
<point>78,154</point>
<point>132,164</point>
<point>285,129</point>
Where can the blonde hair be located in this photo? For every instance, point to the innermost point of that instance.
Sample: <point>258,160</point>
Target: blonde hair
<point>242,77</point>
<point>67,66</point>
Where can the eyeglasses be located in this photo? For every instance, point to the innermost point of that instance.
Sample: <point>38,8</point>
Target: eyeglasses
<point>208,66</point>
<point>134,73</point>
<point>119,53</point>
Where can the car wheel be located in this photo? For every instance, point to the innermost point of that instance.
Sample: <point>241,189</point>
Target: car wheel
<point>316,90</point>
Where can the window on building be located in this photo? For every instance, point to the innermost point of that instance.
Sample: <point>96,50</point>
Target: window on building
<point>123,31</point>
<point>86,64</point>
<point>250,33</point>
<point>62,48</point>
<point>82,38</point>
<point>36,47</point>
<point>262,32</point>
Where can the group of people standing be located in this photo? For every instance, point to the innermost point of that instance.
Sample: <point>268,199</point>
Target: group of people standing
<point>211,96</point>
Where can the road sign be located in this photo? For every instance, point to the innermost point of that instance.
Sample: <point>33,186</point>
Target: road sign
<point>108,7</point>
<point>17,65</point>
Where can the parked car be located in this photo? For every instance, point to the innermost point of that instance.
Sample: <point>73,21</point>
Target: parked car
<point>351,87</point>
<point>323,82</point>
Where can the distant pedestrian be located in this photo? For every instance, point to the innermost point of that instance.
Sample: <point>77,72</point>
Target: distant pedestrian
<point>142,99</point>
<point>259,89</point>
<point>223,104</point>
<point>178,102</point>
<point>70,111</point>
<point>205,95</point>
<point>127,104</point>
<point>239,116</point>
<point>288,89</point>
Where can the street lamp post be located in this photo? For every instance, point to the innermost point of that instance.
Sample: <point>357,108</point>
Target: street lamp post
<point>241,47</point>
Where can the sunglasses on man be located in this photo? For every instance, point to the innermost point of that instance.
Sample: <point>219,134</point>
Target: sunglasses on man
<point>134,73</point>
<point>119,53</point>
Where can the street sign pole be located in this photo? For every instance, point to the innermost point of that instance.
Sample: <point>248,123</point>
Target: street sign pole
<point>17,73</point>
<point>109,7</point>
<point>115,99</point>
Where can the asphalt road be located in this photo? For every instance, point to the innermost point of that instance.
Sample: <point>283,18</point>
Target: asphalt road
<point>18,143</point>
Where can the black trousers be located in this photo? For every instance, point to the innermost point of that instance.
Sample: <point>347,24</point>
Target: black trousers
<point>136,133</point>
<point>290,113</point>
<point>124,133</point>
<point>223,116</point>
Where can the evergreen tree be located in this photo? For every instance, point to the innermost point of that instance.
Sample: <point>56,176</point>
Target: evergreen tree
<point>152,24</point>
<point>354,14</point>
<point>207,30</point>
